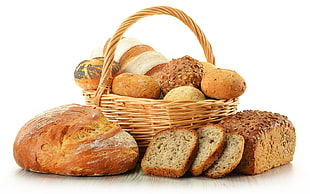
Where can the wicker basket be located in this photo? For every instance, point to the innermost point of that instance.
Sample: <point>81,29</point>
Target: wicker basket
<point>144,117</point>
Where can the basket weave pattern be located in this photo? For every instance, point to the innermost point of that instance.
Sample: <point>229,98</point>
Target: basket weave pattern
<point>143,118</point>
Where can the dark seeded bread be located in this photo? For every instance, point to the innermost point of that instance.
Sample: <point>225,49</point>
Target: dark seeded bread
<point>170,153</point>
<point>230,157</point>
<point>211,144</point>
<point>270,139</point>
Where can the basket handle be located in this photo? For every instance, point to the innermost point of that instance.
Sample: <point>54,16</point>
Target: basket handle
<point>105,83</point>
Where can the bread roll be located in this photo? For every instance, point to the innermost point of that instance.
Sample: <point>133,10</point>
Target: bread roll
<point>207,67</point>
<point>144,62</point>
<point>133,52</point>
<point>88,73</point>
<point>270,139</point>
<point>123,46</point>
<point>184,93</point>
<point>138,86</point>
<point>184,71</point>
<point>222,84</point>
<point>74,140</point>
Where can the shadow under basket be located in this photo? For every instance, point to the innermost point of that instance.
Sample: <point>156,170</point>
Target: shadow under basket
<point>143,118</point>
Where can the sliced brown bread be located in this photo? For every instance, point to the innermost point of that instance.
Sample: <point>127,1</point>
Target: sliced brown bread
<point>170,153</point>
<point>230,157</point>
<point>211,140</point>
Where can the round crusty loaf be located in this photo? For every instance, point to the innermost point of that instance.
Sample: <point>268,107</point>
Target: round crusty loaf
<point>137,86</point>
<point>184,93</point>
<point>184,71</point>
<point>74,140</point>
<point>223,84</point>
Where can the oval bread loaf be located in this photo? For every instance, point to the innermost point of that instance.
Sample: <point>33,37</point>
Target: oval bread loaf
<point>137,86</point>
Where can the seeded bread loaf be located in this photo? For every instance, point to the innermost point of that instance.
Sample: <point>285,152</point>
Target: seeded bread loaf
<point>170,153</point>
<point>230,157</point>
<point>211,140</point>
<point>184,71</point>
<point>74,140</point>
<point>270,139</point>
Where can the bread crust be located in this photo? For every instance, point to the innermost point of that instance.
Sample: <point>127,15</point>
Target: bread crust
<point>270,139</point>
<point>74,140</point>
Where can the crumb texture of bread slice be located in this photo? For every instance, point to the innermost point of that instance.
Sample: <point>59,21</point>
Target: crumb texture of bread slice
<point>211,144</point>
<point>170,153</point>
<point>230,157</point>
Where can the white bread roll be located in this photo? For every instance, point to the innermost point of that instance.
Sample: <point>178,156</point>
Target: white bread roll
<point>123,46</point>
<point>144,62</point>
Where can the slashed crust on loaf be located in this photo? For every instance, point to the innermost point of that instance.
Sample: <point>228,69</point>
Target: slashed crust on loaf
<point>270,139</point>
<point>74,140</point>
<point>211,144</point>
<point>230,157</point>
<point>170,153</point>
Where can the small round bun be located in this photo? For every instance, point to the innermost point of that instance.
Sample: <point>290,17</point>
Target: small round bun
<point>134,85</point>
<point>223,84</point>
<point>184,93</point>
<point>184,71</point>
<point>207,67</point>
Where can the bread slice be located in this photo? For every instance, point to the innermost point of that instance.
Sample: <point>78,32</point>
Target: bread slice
<point>170,153</point>
<point>230,157</point>
<point>211,144</point>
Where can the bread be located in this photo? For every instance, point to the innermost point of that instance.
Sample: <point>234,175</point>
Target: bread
<point>211,140</point>
<point>88,73</point>
<point>222,84</point>
<point>184,93</point>
<point>74,140</point>
<point>184,71</point>
<point>143,62</point>
<point>170,153</point>
<point>124,45</point>
<point>207,67</point>
<point>138,86</point>
<point>270,139</point>
<point>156,71</point>
<point>230,157</point>
<point>133,52</point>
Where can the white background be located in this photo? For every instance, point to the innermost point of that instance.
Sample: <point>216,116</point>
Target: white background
<point>41,43</point>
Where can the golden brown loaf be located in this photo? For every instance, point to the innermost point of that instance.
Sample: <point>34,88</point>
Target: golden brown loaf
<point>184,93</point>
<point>223,84</point>
<point>270,139</point>
<point>184,71</point>
<point>74,140</point>
<point>170,153</point>
<point>138,86</point>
